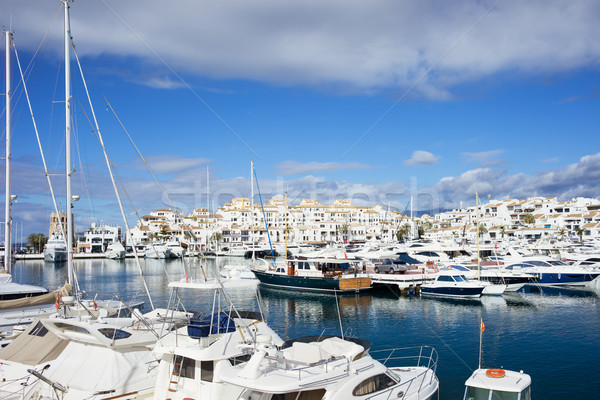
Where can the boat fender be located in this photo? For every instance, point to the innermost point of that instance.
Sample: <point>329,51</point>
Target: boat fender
<point>495,373</point>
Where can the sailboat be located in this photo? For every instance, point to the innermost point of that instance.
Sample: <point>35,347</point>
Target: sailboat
<point>21,302</point>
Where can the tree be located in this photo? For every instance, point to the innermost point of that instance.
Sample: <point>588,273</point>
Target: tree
<point>579,232</point>
<point>529,219</point>
<point>216,237</point>
<point>502,231</point>
<point>482,230</point>
<point>562,233</point>
<point>344,230</point>
<point>37,241</point>
<point>403,232</point>
<point>423,228</point>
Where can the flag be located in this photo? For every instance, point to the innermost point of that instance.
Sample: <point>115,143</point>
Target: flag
<point>186,277</point>
<point>345,256</point>
<point>95,305</point>
<point>482,327</point>
<point>496,245</point>
<point>57,302</point>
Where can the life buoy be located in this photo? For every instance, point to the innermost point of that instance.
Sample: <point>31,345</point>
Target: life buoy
<point>495,373</point>
<point>296,273</point>
<point>436,269</point>
<point>449,267</point>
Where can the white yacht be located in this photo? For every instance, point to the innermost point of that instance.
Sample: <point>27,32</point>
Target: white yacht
<point>329,367</point>
<point>176,249</point>
<point>452,284</point>
<point>157,251</point>
<point>192,356</point>
<point>55,249</point>
<point>115,251</point>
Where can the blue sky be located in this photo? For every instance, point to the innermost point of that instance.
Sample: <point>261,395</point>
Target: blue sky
<point>374,101</point>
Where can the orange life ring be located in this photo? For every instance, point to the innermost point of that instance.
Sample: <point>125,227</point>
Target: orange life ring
<point>436,269</point>
<point>449,267</point>
<point>495,373</point>
<point>296,273</point>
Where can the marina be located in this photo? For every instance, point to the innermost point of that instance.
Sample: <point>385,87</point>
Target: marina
<point>547,332</point>
<point>340,291</point>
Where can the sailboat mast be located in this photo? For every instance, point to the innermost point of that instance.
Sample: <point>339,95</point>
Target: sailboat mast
<point>69,238</point>
<point>7,201</point>
<point>252,207</point>
<point>477,233</point>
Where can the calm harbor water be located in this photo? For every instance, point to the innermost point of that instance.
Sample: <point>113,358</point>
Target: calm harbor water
<point>551,334</point>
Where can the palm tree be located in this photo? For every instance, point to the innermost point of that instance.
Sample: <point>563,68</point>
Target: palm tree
<point>562,233</point>
<point>344,230</point>
<point>37,241</point>
<point>482,230</point>
<point>579,231</point>
<point>502,231</point>
<point>529,219</point>
<point>217,237</point>
<point>403,232</point>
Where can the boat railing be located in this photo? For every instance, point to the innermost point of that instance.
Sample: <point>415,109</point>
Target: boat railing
<point>418,356</point>
<point>301,366</point>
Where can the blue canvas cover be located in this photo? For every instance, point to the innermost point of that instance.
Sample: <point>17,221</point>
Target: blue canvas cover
<point>221,323</point>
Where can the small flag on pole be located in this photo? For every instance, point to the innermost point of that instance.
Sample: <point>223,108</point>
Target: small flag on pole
<point>57,302</point>
<point>482,327</point>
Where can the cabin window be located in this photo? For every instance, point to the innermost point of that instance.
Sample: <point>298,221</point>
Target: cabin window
<point>474,393</point>
<point>239,359</point>
<point>187,367</point>
<point>443,278</point>
<point>206,370</point>
<point>115,334</point>
<point>373,384</point>
<point>306,395</point>
<point>39,330</point>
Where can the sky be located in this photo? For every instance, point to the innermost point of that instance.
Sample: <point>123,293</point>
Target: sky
<point>375,101</point>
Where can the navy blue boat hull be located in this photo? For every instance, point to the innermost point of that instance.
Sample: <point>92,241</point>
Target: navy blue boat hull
<point>304,283</point>
<point>453,291</point>
<point>562,279</point>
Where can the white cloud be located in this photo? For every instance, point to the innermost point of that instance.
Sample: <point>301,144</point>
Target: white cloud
<point>379,44</point>
<point>297,168</point>
<point>484,158</point>
<point>169,164</point>
<point>421,157</point>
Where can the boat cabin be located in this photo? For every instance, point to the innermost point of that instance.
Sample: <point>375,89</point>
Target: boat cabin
<point>491,384</point>
<point>320,267</point>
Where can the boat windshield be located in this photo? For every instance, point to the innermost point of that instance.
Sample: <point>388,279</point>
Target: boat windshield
<point>475,393</point>
<point>460,278</point>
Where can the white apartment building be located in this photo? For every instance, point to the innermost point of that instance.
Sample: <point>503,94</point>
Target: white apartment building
<point>98,237</point>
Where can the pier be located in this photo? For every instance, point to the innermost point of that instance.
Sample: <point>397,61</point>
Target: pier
<point>404,282</point>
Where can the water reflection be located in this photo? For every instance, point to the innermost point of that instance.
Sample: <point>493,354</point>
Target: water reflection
<point>533,330</point>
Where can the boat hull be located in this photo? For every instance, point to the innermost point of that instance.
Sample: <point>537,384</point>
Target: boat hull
<point>451,291</point>
<point>562,279</point>
<point>314,283</point>
<point>55,256</point>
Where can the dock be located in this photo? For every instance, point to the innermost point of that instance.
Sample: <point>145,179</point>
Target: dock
<point>404,282</point>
